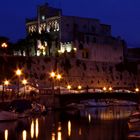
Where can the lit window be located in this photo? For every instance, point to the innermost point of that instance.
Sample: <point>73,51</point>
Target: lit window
<point>43,17</point>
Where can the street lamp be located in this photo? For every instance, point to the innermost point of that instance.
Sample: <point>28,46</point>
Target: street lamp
<point>104,89</point>
<point>18,73</point>
<point>136,89</point>
<point>69,87</point>
<point>5,83</point>
<point>59,77</point>
<point>110,89</point>
<point>52,75</point>
<point>4,45</point>
<point>79,87</point>
<point>24,82</point>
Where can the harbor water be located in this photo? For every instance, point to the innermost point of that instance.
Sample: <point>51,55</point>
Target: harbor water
<point>98,123</point>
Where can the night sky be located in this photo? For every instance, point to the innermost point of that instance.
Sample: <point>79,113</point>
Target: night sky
<point>123,15</point>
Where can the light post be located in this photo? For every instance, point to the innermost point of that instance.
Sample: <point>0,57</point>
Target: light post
<point>59,77</point>
<point>6,83</point>
<point>52,75</point>
<point>24,82</point>
<point>4,45</point>
<point>18,73</point>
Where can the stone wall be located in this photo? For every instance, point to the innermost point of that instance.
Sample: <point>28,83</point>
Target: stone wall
<point>75,72</point>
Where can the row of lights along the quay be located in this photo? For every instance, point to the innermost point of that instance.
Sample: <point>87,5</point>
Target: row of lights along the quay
<point>7,82</point>
<point>18,73</point>
<point>54,76</point>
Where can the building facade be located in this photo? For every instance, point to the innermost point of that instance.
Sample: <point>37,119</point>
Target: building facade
<point>88,38</point>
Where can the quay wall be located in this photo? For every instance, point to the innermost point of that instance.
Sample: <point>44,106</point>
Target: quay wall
<point>74,72</point>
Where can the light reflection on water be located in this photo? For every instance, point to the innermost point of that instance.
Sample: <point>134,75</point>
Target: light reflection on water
<point>32,129</point>
<point>107,123</point>
<point>24,135</point>
<point>6,134</point>
<point>69,128</point>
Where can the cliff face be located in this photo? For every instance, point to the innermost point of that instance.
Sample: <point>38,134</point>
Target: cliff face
<point>75,72</point>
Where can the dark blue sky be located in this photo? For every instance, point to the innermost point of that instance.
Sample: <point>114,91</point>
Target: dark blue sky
<point>123,15</point>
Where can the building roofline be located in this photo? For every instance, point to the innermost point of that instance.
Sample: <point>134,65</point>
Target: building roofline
<point>81,17</point>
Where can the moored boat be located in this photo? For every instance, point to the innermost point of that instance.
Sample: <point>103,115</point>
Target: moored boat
<point>134,135</point>
<point>134,121</point>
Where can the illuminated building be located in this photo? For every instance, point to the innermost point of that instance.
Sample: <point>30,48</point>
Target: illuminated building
<point>88,38</point>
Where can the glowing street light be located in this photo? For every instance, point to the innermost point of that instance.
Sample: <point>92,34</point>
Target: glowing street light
<point>79,87</point>
<point>4,45</point>
<point>52,74</point>
<point>6,82</point>
<point>110,88</point>
<point>18,72</point>
<point>136,89</point>
<point>69,87</point>
<point>24,81</point>
<point>104,88</point>
<point>58,76</point>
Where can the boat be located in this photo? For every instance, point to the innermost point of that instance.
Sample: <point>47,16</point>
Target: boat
<point>134,121</point>
<point>25,108</point>
<point>134,135</point>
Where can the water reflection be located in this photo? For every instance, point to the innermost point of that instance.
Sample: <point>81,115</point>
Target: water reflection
<point>89,118</point>
<point>24,135</point>
<point>107,113</point>
<point>32,129</point>
<point>69,128</point>
<point>59,133</point>
<point>6,134</point>
<point>36,128</point>
<point>108,123</point>
<point>80,131</point>
<point>53,136</point>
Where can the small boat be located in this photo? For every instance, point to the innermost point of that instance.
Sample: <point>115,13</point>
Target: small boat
<point>25,108</point>
<point>134,135</point>
<point>134,126</point>
<point>134,121</point>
